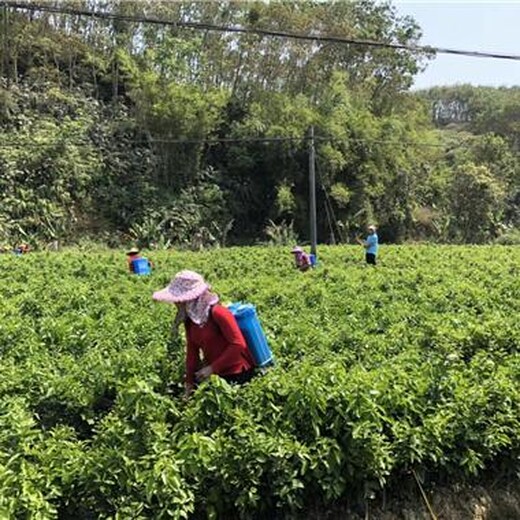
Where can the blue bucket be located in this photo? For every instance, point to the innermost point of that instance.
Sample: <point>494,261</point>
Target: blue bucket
<point>141,266</point>
<point>249,325</point>
<point>313,260</point>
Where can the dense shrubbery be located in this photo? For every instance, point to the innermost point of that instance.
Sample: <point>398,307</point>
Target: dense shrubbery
<point>412,365</point>
<point>111,128</point>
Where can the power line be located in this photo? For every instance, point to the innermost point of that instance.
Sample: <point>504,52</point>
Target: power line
<point>58,142</point>
<point>427,49</point>
<point>24,144</point>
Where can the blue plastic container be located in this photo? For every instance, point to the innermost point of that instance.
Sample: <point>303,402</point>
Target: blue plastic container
<point>141,266</point>
<point>313,260</point>
<point>249,324</point>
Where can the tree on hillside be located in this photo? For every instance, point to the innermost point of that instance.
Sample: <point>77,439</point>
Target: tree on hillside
<point>477,204</point>
<point>171,120</point>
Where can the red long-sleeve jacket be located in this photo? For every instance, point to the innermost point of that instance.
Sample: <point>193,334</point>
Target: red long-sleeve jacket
<point>222,344</point>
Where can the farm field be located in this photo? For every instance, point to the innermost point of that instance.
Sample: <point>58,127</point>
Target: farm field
<point>409,367</point>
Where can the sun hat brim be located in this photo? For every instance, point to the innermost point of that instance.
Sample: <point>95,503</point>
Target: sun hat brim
<point>166,296</point>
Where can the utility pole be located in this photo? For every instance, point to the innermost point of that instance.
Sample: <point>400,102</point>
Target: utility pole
<point>5,63</point>
<point>312,192</point>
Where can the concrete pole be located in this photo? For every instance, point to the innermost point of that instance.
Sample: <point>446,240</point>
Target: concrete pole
<point>312,192</point>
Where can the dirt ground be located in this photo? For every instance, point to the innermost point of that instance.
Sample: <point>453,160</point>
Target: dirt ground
<point>454,503</point>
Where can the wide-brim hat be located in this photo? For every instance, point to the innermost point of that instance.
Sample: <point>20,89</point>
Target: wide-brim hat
<point>185,286</point>
<point>133,251</point>
<point>297,249</point>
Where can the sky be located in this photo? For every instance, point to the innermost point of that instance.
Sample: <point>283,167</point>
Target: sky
<point>474,25</point>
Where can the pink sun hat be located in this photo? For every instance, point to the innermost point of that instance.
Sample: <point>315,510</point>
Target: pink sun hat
<point>297,249</point>
<point>185,286</point>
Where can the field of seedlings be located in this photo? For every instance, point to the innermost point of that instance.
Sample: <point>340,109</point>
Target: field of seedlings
<point>410,367</point>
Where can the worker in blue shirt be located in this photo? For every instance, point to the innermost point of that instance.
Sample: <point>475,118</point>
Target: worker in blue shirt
<point>371,245</point>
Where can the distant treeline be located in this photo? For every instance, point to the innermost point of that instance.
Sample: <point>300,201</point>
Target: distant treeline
<point>117,130</point>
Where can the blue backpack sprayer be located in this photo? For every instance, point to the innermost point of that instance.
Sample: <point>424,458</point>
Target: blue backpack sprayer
<point>249,324</point>
<point>141,266</point>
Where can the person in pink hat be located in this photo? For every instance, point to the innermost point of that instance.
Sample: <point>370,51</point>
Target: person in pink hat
<point>211,330</point>
<point>301,259</point>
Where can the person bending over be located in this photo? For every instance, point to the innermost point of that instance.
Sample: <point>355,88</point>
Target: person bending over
<point>211,332</point>
<point>302,260</point>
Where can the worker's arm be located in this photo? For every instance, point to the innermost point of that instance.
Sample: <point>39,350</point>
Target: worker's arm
<point>192,361</point>
<point>361,242</point>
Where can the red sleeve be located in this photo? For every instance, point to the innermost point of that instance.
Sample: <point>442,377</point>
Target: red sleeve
<point>192,358</point>
<point>235,341</point>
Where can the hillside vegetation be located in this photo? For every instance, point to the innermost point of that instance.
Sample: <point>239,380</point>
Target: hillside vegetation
<point>123,130</point>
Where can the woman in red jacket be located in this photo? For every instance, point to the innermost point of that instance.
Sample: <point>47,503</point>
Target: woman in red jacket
<point>211,330</point>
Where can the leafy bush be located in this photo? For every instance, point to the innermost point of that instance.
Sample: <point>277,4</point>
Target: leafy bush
<point>509,238</point>
<point>410,366</point>
<point>282,234</point>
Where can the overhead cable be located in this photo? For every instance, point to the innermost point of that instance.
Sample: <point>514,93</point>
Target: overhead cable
<point>427,49</point>
<point>58,142</point>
